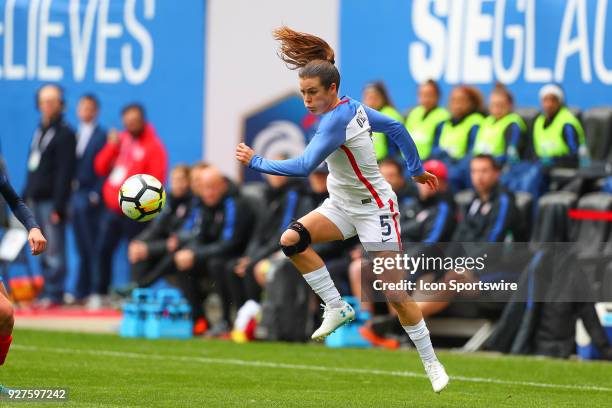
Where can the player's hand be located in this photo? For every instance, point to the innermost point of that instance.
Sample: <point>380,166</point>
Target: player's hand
<point>172,243</point>
<point>184,259</point>
<point>137,251</point>
<point>241,266</point>
<point>38,242</point>
<point>112,137</point>
<point>244,154</point>
<point>427,178</point>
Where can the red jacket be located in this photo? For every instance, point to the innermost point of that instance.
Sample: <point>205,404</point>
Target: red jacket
<point>118,162</point>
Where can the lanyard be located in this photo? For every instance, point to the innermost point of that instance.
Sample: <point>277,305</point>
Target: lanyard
<point>41,139</point>
<point>39,145</point>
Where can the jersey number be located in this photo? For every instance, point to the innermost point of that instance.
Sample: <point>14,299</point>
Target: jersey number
<point>385,224</point>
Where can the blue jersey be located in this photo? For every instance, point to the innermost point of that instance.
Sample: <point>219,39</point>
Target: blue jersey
<point>344,141</point>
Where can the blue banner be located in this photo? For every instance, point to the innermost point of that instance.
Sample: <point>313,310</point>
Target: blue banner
<point>522,43</point>
<point>146,51</point>
<point>280,129</point>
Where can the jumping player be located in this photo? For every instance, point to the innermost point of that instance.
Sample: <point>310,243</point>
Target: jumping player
<point>37,242</point>
<point>361,202</point>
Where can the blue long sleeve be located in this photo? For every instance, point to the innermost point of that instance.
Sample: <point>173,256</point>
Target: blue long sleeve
<point>515,134</point>
<point>439,223</point>
<point>330,136</point>
<point>400,136</point>
<point>21,211</point>
<point>472,138</point>
<point>437,134</point>
<point>571,138</point>
<point>501,221</point>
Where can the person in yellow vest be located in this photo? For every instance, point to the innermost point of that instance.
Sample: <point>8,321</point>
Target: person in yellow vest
<point>502,131</point>
<point>375,96</point>
<point>422,120</point>
<point>454,138</point>
<point>558,136</point>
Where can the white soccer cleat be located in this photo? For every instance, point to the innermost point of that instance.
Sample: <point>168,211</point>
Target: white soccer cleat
<point>332,319</point>
<point>437,375</point>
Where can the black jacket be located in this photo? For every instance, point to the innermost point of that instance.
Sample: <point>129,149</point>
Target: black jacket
<point>333,249</point>
<point>428,221</point>
<point>489,221</point>
<point>408,190</point>
<point>85,176</point>
<point>169,221</point>
<point>284,204</point>
<point>222,230</point>
<point>52,178</point>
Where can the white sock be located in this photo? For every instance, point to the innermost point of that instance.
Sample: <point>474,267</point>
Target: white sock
<point>245,314</point>
<point>420,337</point>
<point>323,285</point>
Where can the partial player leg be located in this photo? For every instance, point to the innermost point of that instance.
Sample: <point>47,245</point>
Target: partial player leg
<point>296,244</point>
<point>6,323</point>
<point>412,321</point>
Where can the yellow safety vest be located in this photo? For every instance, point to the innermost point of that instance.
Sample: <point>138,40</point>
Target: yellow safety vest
<point>380,139</point>
<point>491,136</point>
<point>549,142</point>
<point>423,128</point>
<point>454,138</point>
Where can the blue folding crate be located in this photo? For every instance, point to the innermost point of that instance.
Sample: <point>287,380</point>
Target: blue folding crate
<point>132,325</point>
<point>143,295</point>
<point>176,322</point>
<point>348,335</point>
<point>152,314</point>
<point>168,296</point>
<point>153,320</point>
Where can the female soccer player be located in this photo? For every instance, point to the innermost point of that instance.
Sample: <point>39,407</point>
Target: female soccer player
<point>361,202</point>
<point>38,244</point>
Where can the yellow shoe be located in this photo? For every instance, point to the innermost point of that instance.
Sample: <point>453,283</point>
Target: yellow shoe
<point>239,336</point>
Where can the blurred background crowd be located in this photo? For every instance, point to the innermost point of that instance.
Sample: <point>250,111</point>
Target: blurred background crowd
<point>506,175</point>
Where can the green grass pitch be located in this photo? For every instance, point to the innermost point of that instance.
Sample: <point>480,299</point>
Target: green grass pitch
<point>108,371</point>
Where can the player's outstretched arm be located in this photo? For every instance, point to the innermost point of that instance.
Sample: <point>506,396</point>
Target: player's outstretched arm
<point>321,146</point>
<point>37,241</point>
<point>295,167</point>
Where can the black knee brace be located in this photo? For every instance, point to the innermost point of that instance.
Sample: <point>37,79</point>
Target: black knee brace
<point>302,244</point>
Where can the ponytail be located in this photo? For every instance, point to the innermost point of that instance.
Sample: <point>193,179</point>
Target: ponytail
<point>310,54</point>
<point>298,49</point>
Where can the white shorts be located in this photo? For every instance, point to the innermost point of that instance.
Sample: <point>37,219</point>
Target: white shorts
<point>378,228</point>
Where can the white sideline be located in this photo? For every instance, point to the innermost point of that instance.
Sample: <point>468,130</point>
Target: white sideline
<point>345,370</point>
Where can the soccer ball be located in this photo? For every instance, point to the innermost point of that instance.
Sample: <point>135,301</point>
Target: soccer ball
<point>142,197</point>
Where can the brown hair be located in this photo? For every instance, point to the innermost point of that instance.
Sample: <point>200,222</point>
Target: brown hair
<point>183,168</point>
<point>310,54</point>
<point>392,162</point>
<point>381,89</point>
<point>474,96</point>
<point>200,166</point>
<point>492,160</point>
<point>501,89</point>
<point>434,85</point>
